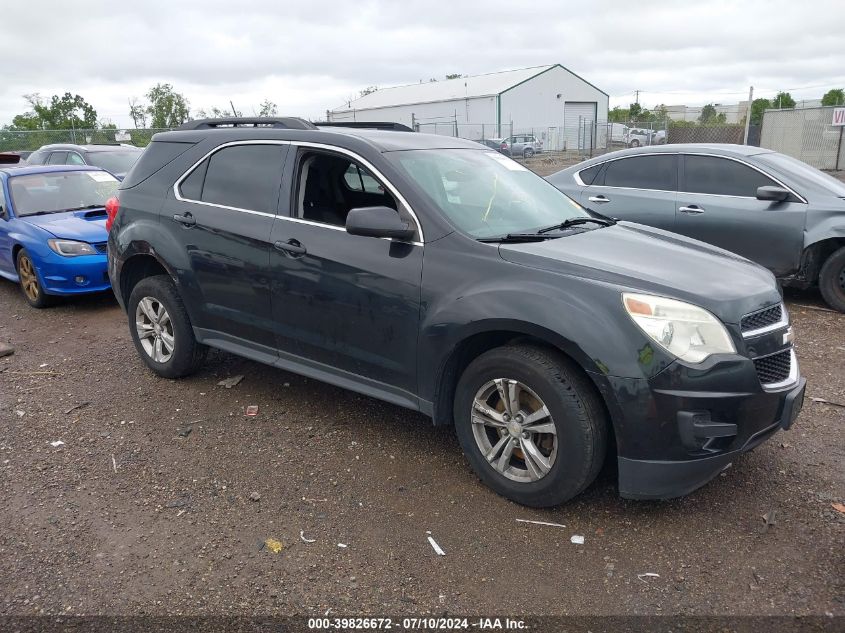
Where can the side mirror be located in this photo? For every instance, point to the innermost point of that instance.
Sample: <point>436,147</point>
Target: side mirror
<point>774,194</point>
<point>378,222</point>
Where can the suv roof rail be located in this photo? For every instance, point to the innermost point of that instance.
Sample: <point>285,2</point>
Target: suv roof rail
<point>368,125</point>
<point>287,122</point>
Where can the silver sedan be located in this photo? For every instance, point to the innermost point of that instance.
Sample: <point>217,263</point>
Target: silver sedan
<point>767,207</point>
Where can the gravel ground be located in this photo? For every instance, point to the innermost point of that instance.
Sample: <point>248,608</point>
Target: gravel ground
<point>164,495</point>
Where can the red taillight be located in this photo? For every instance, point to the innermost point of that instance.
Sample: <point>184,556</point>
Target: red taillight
<point>112,207</point>
<point>504,146</point>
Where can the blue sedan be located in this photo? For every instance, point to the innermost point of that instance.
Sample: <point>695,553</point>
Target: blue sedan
<point>53,230</point>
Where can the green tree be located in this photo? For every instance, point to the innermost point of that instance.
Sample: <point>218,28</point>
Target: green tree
<point>634,111</point>
<point>758,106</point>
<point>59,113</point>
<point>167,108</point>
<point>454,76</point>
<point>138,113</point>
<point>834,97</point>
<point>708,115</point>
<point>618,115</point>
<point>784,100</point>
<point>267,108</point>
<point>368,90</point>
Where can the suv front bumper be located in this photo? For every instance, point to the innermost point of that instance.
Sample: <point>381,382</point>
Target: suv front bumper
<point>657,479</point>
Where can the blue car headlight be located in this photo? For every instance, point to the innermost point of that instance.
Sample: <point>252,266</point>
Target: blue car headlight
<point>71,248</point>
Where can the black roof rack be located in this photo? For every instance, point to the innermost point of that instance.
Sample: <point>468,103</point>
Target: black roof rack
<point>287,122</point>
<point>367,125</point>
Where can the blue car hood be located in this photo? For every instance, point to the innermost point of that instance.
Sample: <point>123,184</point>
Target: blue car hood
<point>84,226</point>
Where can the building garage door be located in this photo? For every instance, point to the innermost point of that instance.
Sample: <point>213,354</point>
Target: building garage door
<point>579,124</point>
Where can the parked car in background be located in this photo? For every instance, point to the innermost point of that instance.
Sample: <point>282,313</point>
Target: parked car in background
<point>659,138</point>
<point>52,230</point>
<point>23,154</point>
<point>768,207</point>
<point>618,134</point>
<point>440,276</point>
<point>492,143</point>
<point>116,158</point>
<point>524,145</point>
<point>637,137</point>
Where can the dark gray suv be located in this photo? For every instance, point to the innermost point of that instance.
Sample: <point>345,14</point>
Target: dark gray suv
<point>444,277</point>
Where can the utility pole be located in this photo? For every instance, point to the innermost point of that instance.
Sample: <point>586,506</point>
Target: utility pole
<point>637,99</point>
<point>748,115</point>
<point>234,112</point>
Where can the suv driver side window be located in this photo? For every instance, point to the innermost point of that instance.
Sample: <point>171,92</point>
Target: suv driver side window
<point>330,185</point>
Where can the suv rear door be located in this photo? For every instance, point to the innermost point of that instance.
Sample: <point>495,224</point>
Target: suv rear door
<point>222,215</point>
<point>344,303</point>
<point>718,204</point>
<point>639,188</point>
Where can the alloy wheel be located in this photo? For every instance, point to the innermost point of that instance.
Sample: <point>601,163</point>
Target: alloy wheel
<point>514,430</point>
<point>155,329</point>
<point>28,277</point>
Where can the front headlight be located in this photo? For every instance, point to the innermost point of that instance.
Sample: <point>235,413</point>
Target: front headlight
<point>684,330</point>
<point>71,248</point>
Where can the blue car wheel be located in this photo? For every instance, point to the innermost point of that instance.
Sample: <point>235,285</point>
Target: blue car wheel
<point>30,284</point>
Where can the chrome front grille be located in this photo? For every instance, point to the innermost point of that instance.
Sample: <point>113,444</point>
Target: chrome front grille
<point>775,368</point>
<point>771,317</point>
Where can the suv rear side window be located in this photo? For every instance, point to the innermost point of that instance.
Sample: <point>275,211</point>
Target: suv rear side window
<point>241,176</point>
<point>643,172</point>
<point>721,176</point>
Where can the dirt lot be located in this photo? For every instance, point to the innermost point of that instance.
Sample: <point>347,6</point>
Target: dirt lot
<point>149,506</point>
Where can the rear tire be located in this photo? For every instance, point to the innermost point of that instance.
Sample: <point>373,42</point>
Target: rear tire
<point>528,153</point>
<point>30,283</point>
<point>161,329</point>
<point>572,452</point>
<point>832,280</point>
<point>635,143</point>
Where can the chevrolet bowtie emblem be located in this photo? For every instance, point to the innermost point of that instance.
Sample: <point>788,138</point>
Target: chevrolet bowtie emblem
<point>788,336</point>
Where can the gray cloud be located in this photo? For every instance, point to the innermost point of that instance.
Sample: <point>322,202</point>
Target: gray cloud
<point>308,57</point>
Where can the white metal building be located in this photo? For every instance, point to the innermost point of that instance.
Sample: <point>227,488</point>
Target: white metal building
<point>551,101</point>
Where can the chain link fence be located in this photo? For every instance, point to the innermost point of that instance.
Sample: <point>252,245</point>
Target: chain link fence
<point>31,140</point>
<point>807,134</point>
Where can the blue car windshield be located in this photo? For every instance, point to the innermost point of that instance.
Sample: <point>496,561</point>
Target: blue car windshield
<point>51,192</point>
<point>486,194</point>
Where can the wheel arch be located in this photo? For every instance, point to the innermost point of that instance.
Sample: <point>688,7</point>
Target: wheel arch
<point>138,266</point>
<point>475,343</point>
<point>814,257</point>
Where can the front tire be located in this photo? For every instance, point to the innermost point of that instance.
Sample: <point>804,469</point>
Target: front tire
<point>528,153</point>
<point>530,424</point>
<point>832,280</point>
<point>635,143</point>
<point>30,284</point>
<point>161,329</point>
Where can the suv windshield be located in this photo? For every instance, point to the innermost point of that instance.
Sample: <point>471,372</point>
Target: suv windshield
<point>60,191</point>
<point>486,194</point>
<point>115,162</point>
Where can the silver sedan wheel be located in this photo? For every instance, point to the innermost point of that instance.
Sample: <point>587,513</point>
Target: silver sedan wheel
<point>155,329</point>
<point>514,430</point>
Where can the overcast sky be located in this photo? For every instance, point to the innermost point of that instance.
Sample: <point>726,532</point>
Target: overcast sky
<point>310,56</point>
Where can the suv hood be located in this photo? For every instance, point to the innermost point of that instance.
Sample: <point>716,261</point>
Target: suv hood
<point>645,259</point>
<point>85,226</point>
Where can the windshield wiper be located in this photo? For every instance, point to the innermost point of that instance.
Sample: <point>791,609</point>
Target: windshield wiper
<point>26,215</point>
<point>518,237</point>
<point>575,222</point>
<point>87,206</point>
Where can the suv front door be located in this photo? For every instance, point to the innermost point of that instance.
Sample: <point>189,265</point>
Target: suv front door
<point>639,188</point>
<point>222,218</point>
<point>344,304</point>
<point>718,204</point>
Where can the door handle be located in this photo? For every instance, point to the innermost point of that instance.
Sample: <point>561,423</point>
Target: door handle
<point>291,247</point>
<point>598,199</point>
<point>185,220</point>
<point>692,209</point>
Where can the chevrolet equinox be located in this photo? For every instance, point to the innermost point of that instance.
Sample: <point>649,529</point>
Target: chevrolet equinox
<point>441,276</point>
